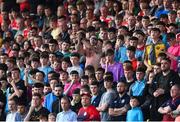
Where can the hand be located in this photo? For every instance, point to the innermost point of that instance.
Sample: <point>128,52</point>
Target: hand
<point>149,68</point>
<point>156,94</point>
<point>160,91</point>
<point>73,102</point>
<point>26,71</point>
<point>117,45</point>
<point>107,62</point>
<point>12,82</point>
<point>72,81</point>
<point>116,109</point>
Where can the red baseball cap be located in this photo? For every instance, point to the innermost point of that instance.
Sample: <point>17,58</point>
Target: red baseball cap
<point>86,93</point>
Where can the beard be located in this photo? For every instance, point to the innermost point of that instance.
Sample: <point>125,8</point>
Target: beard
<point>121,92</point>
<point>165,70</point>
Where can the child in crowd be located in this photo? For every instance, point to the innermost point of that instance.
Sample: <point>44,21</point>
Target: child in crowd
<point>135,114</point>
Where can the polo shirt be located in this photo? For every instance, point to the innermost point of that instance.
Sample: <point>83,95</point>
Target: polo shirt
<point>119,102</point>
<point>89,113</point>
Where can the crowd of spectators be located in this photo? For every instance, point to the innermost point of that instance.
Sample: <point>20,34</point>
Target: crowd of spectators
<point>89,60</point>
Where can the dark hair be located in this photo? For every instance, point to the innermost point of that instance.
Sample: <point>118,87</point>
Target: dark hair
<point>74,54</point>
<point>85,77</point>
<point>140,69</point>
<point>41,73</point>
<point>135,97</point>
<point>133,38</point>
<point>53,41</point>
<point>146,17</point>
<point>163,55</point>
<point>100,69</point>
<point>121,37</point>
<point>38,85</point>
<point>95,83</point>
<point>164,16</point>
<point>60,85</point>
<point>108,76</point>
<point>76,91</point>
<point>156,29</point>
<point>109,52</point>
<point>127,61</point>
<point>90,68</point>
<point>112,29</point>
<point>74,72</point>
<point>131,48</point>
<point>16,69</point>
<point>86,87</point>
<point>37,94</point>
<point>167,59</point>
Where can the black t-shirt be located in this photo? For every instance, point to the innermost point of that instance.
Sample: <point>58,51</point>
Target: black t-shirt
<point>119,102</point>
<point>76,107</point>
<point>35,114</point>
<point>20,85</point>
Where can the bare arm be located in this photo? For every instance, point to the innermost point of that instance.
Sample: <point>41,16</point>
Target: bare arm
<point>11,96</point>
<point>26,77</point>
<point>34,80</point>
<point>103,107</point>
<point>27,118</point>
<point>117,111</point>
<point>68,89</point>
<point>17,91</point>
<point>164,110</point>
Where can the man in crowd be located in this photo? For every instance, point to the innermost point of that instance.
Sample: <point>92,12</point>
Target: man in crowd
<point>88,112</point>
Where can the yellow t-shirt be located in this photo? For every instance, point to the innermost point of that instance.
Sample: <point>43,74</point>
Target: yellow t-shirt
<point>159,47</point>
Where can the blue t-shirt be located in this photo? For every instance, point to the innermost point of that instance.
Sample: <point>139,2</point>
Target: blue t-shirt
<point>46,70</point>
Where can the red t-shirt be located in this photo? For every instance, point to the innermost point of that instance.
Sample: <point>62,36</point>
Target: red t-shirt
<point>24,5</point>
<point>88,114</point>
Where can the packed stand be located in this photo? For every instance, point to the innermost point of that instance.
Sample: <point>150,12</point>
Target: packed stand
<point>89,60</point>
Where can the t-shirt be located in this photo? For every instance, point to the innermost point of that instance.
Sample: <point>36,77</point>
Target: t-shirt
<point>107,98</point>
<point>88,114</point>
<point>74,86</point>
<point>20,86</point>
<point>35,114</point>
<point>116,69</point>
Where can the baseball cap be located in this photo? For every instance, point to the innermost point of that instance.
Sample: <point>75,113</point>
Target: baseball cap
<point>86,93</point>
